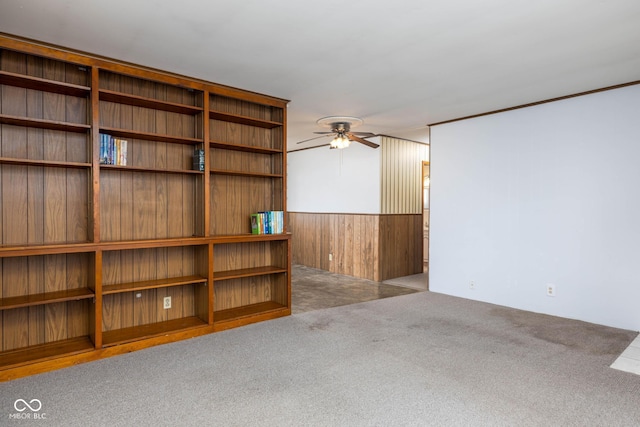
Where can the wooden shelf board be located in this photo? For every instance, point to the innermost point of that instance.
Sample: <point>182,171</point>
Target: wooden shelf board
<point>140,101</point>
<point>45,298</point>
<point>37,83</point>
<point>248,237</point>
<point>153,243</point>
<point>44,124</point>
<point>243,120</point>
<point>135,333</point>
<point>45,163</point>
<point>247,272</point>
<point>152,170</point>
<point>249,174</point>
<point>124,133</point>
<point>47,249</point>
<point>80,247</point>
<point>42,352</point>
<point>246,311</point>
<point>242,147</point>
<point>152,284</point>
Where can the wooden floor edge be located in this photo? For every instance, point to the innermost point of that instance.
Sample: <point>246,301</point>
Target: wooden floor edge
<point>63,361</point>
<point>39,367</point>
<point>243,321</point>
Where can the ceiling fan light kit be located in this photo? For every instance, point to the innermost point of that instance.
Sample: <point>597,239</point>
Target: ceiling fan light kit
<point>341,129</point>
<point>340,141</point>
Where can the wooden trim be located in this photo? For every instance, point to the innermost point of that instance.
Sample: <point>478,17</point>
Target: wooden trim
<point>36,83</point>
<point>333,213</point>
<point>45,298</point>
<point>532,104</point>
<point>137,333</point>
<point>152,284</point>
<point>345,213</point>
<point>94,197</point>
<point>44,124</point>
<point>247,272</point>
<point>283,186</point>
<point>242,147</point>
<point>234,317</point>
<point>96,333</point>
<point>40,365</point>
<point>206,183</point>
<point>44,163</point>
<point>140,101</point>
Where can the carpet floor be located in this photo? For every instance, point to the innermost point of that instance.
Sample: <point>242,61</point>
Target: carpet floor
<point>414,360</point>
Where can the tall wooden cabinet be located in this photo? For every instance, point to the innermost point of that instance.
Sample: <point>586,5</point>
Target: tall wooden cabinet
<point>91,252</point>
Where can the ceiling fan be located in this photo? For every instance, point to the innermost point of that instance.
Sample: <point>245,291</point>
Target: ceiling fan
<point>341,130</point>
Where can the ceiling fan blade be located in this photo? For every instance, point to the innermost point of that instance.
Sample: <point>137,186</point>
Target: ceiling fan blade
<point>362,141</point>
<point>363,134</point>
<point>324,133</point>
<point>311,139</point>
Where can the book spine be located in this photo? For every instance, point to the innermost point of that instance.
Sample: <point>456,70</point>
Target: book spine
<point>109,150</point>
<point>123,149</point>
<point>103,149</point>
<point>198,160</point>
<point>255,224</point>
<point>116,151</point>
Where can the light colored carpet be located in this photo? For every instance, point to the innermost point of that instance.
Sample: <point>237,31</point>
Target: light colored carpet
<point>419,359</point>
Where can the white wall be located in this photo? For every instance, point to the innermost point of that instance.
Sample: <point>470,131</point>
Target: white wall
<point>546,194</point>
<point>334,181</point>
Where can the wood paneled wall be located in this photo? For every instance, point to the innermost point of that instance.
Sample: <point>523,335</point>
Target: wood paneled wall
<point>374,247</point>
<point>400,243</point>
<point>401,175</point>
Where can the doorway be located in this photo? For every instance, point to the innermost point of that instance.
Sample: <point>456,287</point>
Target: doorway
<point>425,215</point>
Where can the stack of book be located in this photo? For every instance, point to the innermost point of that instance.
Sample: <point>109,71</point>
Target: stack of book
<point>269,222</point>
<point>113,151</point>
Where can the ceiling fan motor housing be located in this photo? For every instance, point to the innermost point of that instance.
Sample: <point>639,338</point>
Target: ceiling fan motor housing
<point>340,127</point>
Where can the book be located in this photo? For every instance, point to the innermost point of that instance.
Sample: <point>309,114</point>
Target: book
<point>104,142</point>
<point>113,151</point>
<point>255,224</point>
<point>198,160</point>
<point>267,222</point>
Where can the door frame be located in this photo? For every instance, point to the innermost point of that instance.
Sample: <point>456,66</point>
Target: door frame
<point>426,173</point>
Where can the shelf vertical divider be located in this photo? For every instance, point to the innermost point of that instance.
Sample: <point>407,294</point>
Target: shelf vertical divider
<point>95,156</point>
<point>210,283</point>
<point>97,306</point>
<point>206,136</point>
<point>96,321</point>
<point>206,203</point>
<point>283,185</point>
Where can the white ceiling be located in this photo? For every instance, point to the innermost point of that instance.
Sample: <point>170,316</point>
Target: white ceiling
<point>398,65</point>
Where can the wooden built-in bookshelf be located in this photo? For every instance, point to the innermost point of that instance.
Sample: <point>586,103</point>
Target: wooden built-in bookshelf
<point>89,251</point>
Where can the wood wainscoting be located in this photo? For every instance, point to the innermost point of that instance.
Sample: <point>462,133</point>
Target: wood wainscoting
<point>369,246</point>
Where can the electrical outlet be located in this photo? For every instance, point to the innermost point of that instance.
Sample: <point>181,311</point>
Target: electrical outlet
<point>167,302</point>
<point>330,257</point>
<point>551,290</point>
<point>472,284</point>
